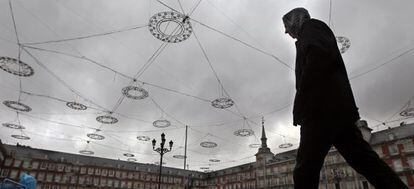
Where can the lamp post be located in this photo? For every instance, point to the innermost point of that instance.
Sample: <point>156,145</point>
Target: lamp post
<point>161,150</point>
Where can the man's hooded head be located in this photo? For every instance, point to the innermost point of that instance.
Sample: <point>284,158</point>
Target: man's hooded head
<point>294,20</point>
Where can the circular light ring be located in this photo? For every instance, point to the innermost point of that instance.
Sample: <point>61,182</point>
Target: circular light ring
<point>76,106</point>
<point>106,119</point>
<point>95,136</point>
<point>255,145</point>
<point>286,145</point>
<point>222,103</point>
<point>132,160</point>
<point>204,168</point>
<point>142,92</point>
<point>17,106</point>
<point>13,126</point>
<point>409,112</point>
<point>143,138</point>
<point>129,155</point>
<point>21,137</point>
<point>161,123</point>
<point>343,43</point>
<point>178,156</point>
<point>208,144</point>
<point>15,67</point>
<point>86,152</point>
<point>244,132</point>
<point>184,30</point>
<point>214,160</point>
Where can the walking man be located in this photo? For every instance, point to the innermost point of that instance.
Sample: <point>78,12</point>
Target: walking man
<point>325,108</point>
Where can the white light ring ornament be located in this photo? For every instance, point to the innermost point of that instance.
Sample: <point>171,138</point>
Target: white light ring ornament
<point>129,155</point>
<point>161,123</point>
<point>143,138</point>
<point>178,156</point>
<point>76,106</point>
<point>409,112</point>
<point>13,126</point>
<point>222,103</point>
<point>95,136</point>
<point>255,145</point>
<point>184,26</point>
<point>86,152</point>
<point>23,69</point>
<point>132,160</point>
<point>106,119</point>
<point>21,137</point>
<point>142,92</point>
<point>244,132</point>
<point>343,44</point>
<point>214,160</point>
<point>208,144</point>
<point>286,145</point>
<point>17,106</point>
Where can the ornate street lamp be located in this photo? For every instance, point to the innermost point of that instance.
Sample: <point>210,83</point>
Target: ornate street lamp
<point>161,150</point>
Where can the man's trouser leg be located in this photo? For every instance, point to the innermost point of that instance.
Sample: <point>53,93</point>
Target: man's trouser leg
<point>313,147</point>
<point>360,156</point>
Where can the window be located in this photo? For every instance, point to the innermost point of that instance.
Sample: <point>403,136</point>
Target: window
<point>8,162</point>
<point>26,164</point>
<point>408,145</point>
<point>393,149</point>
<point>378,150</point>
<point>391,136</point>
<point>410,161</point>
<point>396,163</point>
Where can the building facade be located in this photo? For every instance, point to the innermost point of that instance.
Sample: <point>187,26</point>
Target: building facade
<point>57,170</point>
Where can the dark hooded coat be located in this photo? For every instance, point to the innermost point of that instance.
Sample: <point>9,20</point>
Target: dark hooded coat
<point>323,90</point>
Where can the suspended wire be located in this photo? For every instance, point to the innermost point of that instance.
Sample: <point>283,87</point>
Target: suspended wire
<point>246,44</point>
<point>208,60</point>
<point>234,23</point>
<point>194,8</point>
<point>215,74</point>
<point>61,81</point>
<point>383,64</point>
<point>164,112</point>
<point>177,92</point>
<point>254,123</point>
<point>86,20</point>
<point>55,98</point>
<point>140,131</point>
<point>46,25</point>
<point>83,58</point>
<point>51,137</point>
<point>225,162</point>
<point>181,6</point>
<point>20,78</point>
<point>330,13</point>
<point>162,3</point>
<point>58,122</point>
<point>87,36</point>
<point>14,22</point>
<point>123,150</point>
<point>116,72</point>
<point>141,71</point>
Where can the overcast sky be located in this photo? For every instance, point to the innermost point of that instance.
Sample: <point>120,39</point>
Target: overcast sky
<point>240,39</point>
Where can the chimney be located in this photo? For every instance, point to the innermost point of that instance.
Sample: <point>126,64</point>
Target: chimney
<point>365,130</point>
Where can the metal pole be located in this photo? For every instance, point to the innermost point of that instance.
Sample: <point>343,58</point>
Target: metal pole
<point>185,147</point>
<point>159,178</point>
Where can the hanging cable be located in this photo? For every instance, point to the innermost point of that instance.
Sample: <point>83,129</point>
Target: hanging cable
<point>87,36</point>
<point>246,44</point>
